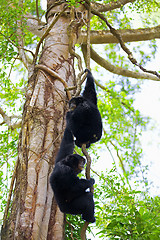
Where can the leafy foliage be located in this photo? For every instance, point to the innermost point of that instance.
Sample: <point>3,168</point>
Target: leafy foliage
<point>8,155</point>
<point>72,229</point>
<point>122,124</point>
<point>123,213</point>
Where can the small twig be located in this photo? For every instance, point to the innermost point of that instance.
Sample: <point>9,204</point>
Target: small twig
<point>10,71</point>
<point>10,194</point>
<point>72,229</point>
<point>2,123</point>
<point>27,50</point>
<point>70,88</point>
<point>72,52</point>
<point>37,11</point>
<point>121,162</point>
<point>47,32</point>
<point>88,161</point>
<point>79,83</point>
<point>71,31</point>
<point>96,173</point>
<point>56,75</point>
<point>83,230</point>
<point>88,36</point>
<point>85,225</point>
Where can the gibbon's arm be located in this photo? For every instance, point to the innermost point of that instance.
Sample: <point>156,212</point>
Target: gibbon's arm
<point>89,92</point>
<point>67,145</point>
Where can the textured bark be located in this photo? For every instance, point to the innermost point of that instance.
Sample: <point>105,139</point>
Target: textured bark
<point>34,213</point>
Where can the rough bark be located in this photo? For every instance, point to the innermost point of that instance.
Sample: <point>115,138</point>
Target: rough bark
<point>34,213</point>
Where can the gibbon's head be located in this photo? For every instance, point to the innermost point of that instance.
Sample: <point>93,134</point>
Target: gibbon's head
<point>74,102</point>
<point>76,162</point>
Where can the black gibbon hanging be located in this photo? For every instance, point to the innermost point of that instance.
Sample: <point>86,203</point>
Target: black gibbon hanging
<point>84,118</point>
<point>70,191</point>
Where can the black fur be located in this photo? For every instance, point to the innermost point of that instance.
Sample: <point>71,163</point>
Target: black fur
<point>84,118</point>
<point>67,145</point>
<point>70,191</point>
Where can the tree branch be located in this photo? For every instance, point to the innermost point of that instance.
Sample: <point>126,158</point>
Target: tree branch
<point>72,229</point>
<point>128,35</point>
<point>118,70</point>
<point>123,46</point>
<point>107,90</point>
<point>110,6</point>
<point>7,120</point>
<point>34,26</point>
<point>16,125</point>
<point>100,37</point>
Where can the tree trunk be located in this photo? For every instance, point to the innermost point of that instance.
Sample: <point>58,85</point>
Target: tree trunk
<point>34,213</point>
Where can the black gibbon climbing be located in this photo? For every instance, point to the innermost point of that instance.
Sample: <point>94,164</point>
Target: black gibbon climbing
<point>69,190</point>
<point>84,118</point>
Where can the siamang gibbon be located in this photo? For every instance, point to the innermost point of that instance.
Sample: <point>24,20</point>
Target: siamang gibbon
<point>69,190</point>
<point>83,117</point>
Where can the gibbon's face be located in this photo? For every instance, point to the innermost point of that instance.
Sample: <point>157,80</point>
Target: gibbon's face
<point>74,102</point>
<point>81,164</point>
<point>76,162</point>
